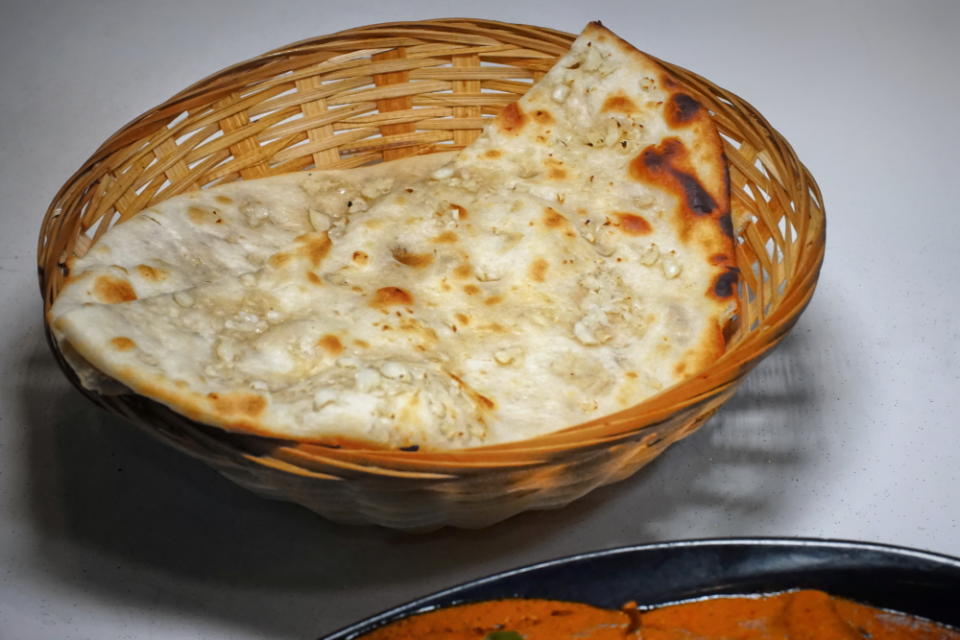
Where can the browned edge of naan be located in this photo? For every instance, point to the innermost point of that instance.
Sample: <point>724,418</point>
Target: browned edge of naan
<point>234,411</point>
<point>690,164</point>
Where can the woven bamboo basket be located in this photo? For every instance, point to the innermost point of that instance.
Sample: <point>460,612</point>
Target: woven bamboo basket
<point>386,91</point>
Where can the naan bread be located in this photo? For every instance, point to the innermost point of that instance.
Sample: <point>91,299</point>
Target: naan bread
<point>572,262</point>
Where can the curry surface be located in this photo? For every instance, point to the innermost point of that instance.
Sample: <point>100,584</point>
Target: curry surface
<point>794,615</point>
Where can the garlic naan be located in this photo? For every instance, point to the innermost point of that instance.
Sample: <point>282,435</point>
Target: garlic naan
<point>576,259</point>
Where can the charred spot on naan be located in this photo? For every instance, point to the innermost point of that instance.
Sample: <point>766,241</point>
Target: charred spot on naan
<point>632,224</point>
<point>446,237</point>
<point>724,285</point>
<point>313,245</point>
<point>112,290</point>
<point>416,260</point>
<point>512,119</point>
<point>668,81</point>
<point>553,219</point>
<point>721,259</point>
<point>154,274</point>
<point>391,297</point>
<point>316,247</point>
<point>203,215</point>
<point>667,166</point>
<point>619,103</point>
<point>543,117</point>
<point>538,270</point>
<point>463,271</point>
<point>238,403</point>
<point>681,109</point>
<point>279,259</point>
<point>122,343</point>
<point>555,169</point>
<point>726,225</point>
<point>726,220</point>
<point>331,344</point>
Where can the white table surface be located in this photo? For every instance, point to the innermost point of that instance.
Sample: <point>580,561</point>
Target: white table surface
<point>849,430</point>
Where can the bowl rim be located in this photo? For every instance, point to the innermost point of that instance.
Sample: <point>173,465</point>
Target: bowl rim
<point>449,596</point>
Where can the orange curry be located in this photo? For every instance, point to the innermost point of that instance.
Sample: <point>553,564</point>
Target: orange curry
<point>794,615</point>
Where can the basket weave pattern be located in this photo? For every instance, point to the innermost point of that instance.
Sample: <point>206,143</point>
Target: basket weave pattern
<point>386,91</point>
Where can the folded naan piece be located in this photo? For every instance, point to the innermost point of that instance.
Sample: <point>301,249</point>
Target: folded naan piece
<point>572,262</point>
<point>635,163</point>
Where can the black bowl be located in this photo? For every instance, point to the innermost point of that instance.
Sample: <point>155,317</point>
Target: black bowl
<point>906,580</point>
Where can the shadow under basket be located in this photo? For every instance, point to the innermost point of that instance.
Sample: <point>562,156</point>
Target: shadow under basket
<point>387,91</point>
